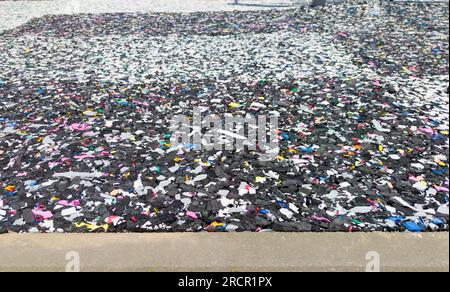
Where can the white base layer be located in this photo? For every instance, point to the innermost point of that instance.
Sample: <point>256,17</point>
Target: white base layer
<point>15,13</point>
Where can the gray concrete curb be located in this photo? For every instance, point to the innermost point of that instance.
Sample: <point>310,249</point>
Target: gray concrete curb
<point>230,252</point>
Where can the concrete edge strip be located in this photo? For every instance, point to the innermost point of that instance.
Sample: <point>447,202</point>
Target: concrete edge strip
<point>232,252</point>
